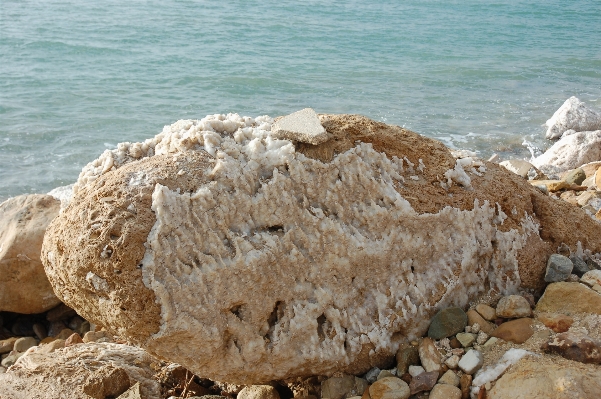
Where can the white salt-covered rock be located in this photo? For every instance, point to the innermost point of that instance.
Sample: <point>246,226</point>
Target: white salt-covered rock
<point>247,259</point>
<point>591,278</point>
<point>303,126</point>
<point>63,194</point>
<point>572,115</point>
<point>471,361</point>
<point>571,152</point>
<point>492,373</point>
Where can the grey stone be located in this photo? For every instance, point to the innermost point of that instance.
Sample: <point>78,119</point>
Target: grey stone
<point>372,375</point>
<point>580,266</point>
<point>303,126</point>
<point>559,268</point>
<point>447,322</point>
<point>575,176</point>
<point>40,331</point>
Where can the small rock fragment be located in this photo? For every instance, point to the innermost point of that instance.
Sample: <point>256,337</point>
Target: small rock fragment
<point>559,268</point>
<point>580,266</point>
<point>372,375</point>
<point>450,378</point>
<point>303,126</point>
<point>575,346</point>
<point>384,374</point>
<point>482,338</point>
<point>556,321</point>
<point>389,388</point>
<point>423,382</point>
<point>591,278</point>
<point>73,339</point>
<point>7,345</point>
<point>416,370</point>
<point>452,362</point>
<point>97,336</point>
<point>445,391</point>
<point>447,322</point>
<point>513,306</point>
<point>406,356</point>
<point>24,343</point>
<point>465,384</point>
<point>259,392</point>
<point>466,339</point>
<point>429,355</point>
<point>40,331</point>
<point>471,362</point>
<point>474,317</point>
<point>341,387</point>
<point>575,176</point>
<point>517,331</point>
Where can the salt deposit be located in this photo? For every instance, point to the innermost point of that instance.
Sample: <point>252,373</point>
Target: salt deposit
<point>492,373</point>
<point>572,116</point>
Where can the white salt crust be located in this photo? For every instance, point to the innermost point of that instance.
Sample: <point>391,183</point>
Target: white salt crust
<point>284,265</point>
<point>492,373</point>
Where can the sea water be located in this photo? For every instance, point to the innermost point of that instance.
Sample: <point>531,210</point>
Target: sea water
<point>80,76</point>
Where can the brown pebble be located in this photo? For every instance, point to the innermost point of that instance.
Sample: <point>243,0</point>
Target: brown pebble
<point>73,339</point>
<point>455,344</point>
<point>517,331</point>
<point>407,378</point>
<point>465,383</point>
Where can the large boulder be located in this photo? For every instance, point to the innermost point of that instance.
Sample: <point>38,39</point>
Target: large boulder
<point>24,287</point>
<point>246,258</point>
<point>572,115</point>
<point>572,151</point>
<point>84,371</point>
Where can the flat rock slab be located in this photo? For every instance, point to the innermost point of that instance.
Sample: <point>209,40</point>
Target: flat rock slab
<point>569,298</point>
<point>575,346</point>
<point>303,126</point>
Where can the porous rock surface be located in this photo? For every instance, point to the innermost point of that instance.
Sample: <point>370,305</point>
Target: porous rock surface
<point>571,151</point>
<point>246,258</point>
<point>24,287</point>
<point>84,371</point>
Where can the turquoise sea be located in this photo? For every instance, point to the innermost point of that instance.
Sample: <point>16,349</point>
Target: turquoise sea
<point>77,77</point>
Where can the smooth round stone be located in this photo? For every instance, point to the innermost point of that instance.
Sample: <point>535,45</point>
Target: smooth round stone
<point>445,391</point>
<point>513,306</point>
<point>389,388</point>
<point>22,344</point>
<point>466,339</point>
<point>447,322</point>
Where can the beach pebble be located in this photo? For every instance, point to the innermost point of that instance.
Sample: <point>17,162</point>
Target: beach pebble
<point>474,317</point>
<point>405,357</point>
<point>55,328</point>
<point>11,359</point>
<point>429,355</point>
<point>52,346</point>
<point>513,306</point>
<point>559,268</point>
<point>372,375</point>
<point>517,331</point>
<point>22,326</point>
<point>73,339</point>
<point>580,266</point>
<point>416,370</point>
<point>24,343</point>
<point>40,331</point>
<point>575,176</point>
<point>471,362</point>
<point>341,387</point>
<point>389,388</point>
<point>65,333</point>
<point>259,392</point>
<point>447,323</point>
<point>423,382</point>
<point>445,391</point>
<point>384,374</point>
<point>97,336</point>
<point>465,385</point>
<point>466,339</point>
<point>452,362</point>
<point>450,378</point>
<point>7,345</point>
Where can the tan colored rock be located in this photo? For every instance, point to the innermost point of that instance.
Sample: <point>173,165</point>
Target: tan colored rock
<point>24,287</point>
<point>7,345</point>
<point>552,185</point>
<point>570,196</point>
<point>541,378</point>
<point>260,392</point>
<point>569,298</point>
<point>517,331</point>
<point>591,278</point>
<point>556,321</point>
<point>487,312</point>
<point>214,230</point>
<point>51,346</point>
<point>429,355</point>
<point>588,196</point>
<point>98,336</point>
<point>132,393</point>
<point>450,378</point>
<point>24,343</point>
<point>83,371</point>
<point>474,317</point>
<point>445,391</point>
<point>513,306</point>
<point>73,339</point>
<point>389,388</point>
<point>342,387</point>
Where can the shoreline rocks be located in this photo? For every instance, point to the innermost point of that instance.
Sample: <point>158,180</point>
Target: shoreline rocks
<point>227,241</point>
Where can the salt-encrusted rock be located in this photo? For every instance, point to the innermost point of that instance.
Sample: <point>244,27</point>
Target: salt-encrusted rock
<point>24,287</point>
<point>572,115</point>
<point>542,378</point>
<point>517,331</point>
<point>83,371</point>
<point>248,259</point>
<point>569,298</point>
<point>571,151</point>
<point>303,126</point>
<point>447,322</point>
<point>471,361</point>
<point>513,306</point>
<point>518,166</point>
<point>559,268</point>
<point>389,388</point>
